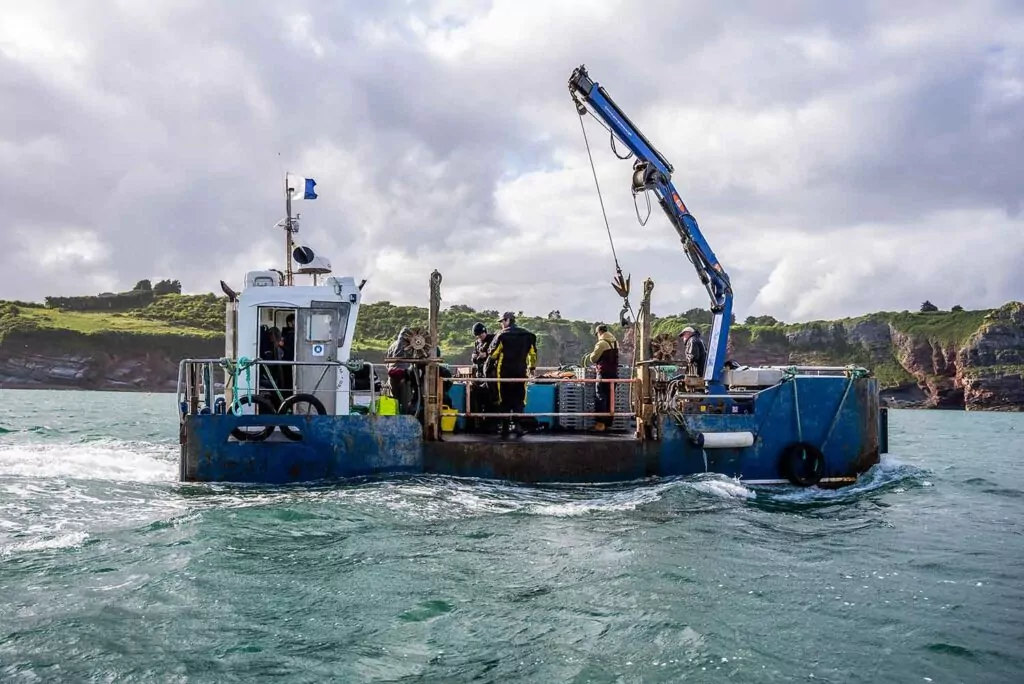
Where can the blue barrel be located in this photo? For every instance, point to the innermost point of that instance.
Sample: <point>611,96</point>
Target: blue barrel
<point>540,398</point>
<point>458,395</point>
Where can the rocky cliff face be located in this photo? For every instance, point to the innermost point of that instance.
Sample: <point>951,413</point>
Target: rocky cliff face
<point>51,361</point>
<point>983,371</point>
<point>991,366</point>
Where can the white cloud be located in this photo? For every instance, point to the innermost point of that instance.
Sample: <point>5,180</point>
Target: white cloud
<point>839,158</point>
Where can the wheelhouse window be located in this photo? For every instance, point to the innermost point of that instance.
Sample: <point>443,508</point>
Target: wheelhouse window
<point>320,327</point>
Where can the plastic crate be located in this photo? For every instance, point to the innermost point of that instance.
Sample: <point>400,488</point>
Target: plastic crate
<point>581,398</point>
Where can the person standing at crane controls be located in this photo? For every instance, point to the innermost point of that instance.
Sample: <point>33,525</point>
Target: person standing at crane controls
<point>606,357</point>
<point>694,351</point>
<point>512,354</point>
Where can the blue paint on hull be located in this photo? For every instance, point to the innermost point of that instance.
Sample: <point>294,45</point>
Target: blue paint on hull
<point>847,435</point>
<point>839,417</point>
<point>331,447</point>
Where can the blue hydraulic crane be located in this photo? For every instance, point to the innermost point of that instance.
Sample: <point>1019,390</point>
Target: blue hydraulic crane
<point>652,171</point>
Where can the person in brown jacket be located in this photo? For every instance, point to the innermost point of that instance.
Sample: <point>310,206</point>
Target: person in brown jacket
<point>606,357</point>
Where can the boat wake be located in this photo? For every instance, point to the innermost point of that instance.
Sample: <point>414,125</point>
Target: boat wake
<point>91,459</point>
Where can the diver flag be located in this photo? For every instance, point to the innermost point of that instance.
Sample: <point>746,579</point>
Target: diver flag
<point>301,188</point>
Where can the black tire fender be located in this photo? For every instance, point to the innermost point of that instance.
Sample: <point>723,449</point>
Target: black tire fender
<point>288,404</point>
<point>802,463</point>
<point>263,407</point>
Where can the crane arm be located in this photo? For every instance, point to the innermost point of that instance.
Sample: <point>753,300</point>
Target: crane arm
<point>653,172</point>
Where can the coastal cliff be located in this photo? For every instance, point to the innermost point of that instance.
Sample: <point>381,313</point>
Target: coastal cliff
<point>49,359</point>
<point>948,359</point>
<point>970,359</point>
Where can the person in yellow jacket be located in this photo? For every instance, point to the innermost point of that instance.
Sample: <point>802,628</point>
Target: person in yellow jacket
<point>606,357</point>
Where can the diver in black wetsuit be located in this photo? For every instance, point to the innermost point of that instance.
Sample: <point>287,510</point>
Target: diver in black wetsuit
<point>512,354</point>
<point>483,395</point>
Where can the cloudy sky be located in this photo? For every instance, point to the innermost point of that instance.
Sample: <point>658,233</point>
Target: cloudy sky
<point>840,157</point>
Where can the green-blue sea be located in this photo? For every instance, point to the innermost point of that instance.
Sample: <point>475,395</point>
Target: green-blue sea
<point>112,571</point>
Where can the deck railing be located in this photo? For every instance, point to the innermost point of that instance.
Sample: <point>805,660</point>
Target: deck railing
<point>197,385</point>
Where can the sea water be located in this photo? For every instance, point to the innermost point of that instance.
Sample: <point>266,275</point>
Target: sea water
<point>111,570</point>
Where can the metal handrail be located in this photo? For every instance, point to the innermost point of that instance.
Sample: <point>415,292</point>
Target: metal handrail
<point>185,391</point>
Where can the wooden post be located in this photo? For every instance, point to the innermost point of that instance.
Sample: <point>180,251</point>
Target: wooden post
<point>643,405</point>
<point>432,406</point>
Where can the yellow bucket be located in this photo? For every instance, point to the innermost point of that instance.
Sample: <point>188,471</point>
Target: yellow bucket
<point>448,416</point>
<point>387,406</point>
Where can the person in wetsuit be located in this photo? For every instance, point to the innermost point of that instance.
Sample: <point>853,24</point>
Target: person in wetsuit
<point>483,393</point>
<point>512,354</point>
<point>606,357</point>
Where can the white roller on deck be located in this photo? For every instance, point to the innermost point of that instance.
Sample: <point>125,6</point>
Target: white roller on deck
<point>724,440</point>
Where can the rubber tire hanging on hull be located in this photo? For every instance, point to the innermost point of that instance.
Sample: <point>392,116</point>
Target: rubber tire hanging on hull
<point>263,407</point>
<point>286,408</point>
<point>802,464</point>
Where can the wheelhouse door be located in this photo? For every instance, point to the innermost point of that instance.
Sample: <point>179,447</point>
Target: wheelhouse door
<point>318,331</point>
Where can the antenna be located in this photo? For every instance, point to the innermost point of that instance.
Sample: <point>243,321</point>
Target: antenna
<point>289,228</point>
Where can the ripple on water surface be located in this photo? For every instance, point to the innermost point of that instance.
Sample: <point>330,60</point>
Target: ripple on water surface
<point>113,570</point>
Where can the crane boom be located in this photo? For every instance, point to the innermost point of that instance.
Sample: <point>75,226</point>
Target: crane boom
<point>652,171</point>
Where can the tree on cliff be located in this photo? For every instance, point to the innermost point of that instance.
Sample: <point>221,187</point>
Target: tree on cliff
<point>928,307</point>
<point>761,320</point>
<point>167,287</point>
<point>555,315</point>
<point>144,285</point>
<point>957,307</point>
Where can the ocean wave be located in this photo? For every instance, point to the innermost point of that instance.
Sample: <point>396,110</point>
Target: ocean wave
<point>68,540</point>
<point>102,459</point>
<point>888,475</point>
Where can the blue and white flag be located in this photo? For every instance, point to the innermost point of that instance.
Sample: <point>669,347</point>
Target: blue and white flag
<point>301,188</point>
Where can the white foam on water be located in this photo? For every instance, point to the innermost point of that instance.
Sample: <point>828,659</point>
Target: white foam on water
<point>99,460</point>
<point>889,471</point>
<point>68,540</point>
<point>722,487</point>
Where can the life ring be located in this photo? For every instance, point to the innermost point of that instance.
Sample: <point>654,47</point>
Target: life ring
<point>802,463</point>
<point>289,404</point>
<point>263,407</point>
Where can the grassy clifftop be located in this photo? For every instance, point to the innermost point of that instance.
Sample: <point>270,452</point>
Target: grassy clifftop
<point>868,340</point>
<point>202,316</point>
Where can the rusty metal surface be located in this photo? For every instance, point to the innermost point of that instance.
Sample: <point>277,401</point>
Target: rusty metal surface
<point>542,458</point>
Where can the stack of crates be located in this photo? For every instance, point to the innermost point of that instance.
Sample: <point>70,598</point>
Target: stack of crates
<point>580,398</point>
<point>575,398</point>
<point>622,405</point>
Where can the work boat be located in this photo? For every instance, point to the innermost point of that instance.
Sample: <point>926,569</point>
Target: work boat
<point>288,402</point>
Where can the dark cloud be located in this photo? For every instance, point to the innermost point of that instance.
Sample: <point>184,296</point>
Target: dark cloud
<point>148,140</point>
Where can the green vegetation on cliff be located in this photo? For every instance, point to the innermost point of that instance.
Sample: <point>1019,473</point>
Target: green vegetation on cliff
<point>867,340</point>
<point>944,327</point>
<point>24,318</point>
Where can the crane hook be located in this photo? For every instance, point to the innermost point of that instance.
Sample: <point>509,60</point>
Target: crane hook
<point>620,284</point>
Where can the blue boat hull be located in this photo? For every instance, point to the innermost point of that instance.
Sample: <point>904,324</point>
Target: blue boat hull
<point>838,417</point>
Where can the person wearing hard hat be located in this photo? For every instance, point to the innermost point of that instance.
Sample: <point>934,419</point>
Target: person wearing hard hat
<point>694,351</point>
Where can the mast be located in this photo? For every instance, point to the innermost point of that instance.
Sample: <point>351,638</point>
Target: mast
<point>288,232</point>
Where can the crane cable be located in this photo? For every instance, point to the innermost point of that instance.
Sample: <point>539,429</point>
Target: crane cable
<point>620,284</point>
<point>600,198</point>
